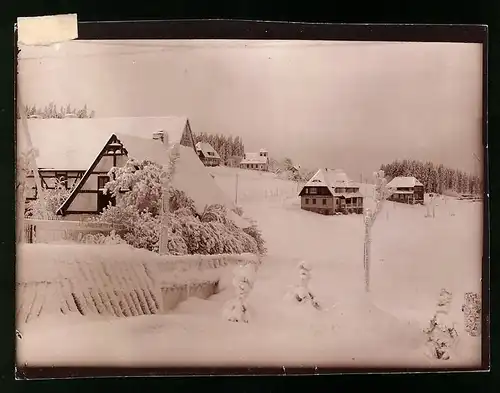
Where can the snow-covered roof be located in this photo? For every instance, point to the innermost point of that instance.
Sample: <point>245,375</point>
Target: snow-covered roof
<point>190,175</point>
<point>254,158</point>
<point>404,182</point>
<point>73,144</point>
<point>330,178</point>
<point>207,150</point>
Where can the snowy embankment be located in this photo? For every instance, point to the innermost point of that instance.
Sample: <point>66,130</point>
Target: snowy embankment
<point>111,280</point>
<point>413,257</point>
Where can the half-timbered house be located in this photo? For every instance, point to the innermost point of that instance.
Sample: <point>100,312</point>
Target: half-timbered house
<point>103,143</point>
<point>331,191</point>
<point>406,189</point>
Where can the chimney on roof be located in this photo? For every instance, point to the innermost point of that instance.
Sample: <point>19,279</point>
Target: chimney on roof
<point>161,136</point>
<point>158,135</point>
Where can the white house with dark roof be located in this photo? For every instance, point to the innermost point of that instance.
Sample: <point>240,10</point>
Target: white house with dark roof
<point>256,161</point>
<point>406,189</point>
<point>91,147</point>
<point>207,154</point>
<point>331,191</point>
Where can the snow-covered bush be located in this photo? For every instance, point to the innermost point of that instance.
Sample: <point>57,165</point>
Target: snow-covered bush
<point>210,233</point>
<point>236,310</point>
<point>302,294</point>
<point>441,333</point>
<point>138,184</point>
<point>472,313</point>
<point>139,188</point>
<point>46,205</point>
<point>100,238</point>
<point>256,234</point>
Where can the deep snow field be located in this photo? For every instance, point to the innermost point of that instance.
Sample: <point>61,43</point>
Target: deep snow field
<point>413,257</point>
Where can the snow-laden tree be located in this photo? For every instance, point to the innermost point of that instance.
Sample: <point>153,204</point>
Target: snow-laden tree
<point>236,310</point>
<point>138,184</point>
<point>52,111</point>
<point>46,205</point>
<point>302,293</point>
<point>144,221</point>
<point>430,205</point>
<point>441,333</point>
<point>137,187</point>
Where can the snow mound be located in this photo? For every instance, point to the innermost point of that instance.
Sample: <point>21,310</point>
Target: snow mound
<point>86,279</point>
<point>112,280</point>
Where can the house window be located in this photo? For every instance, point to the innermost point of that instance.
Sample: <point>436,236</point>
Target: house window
<point>314,201</point>
<point>307,201</point>
<point>307,190</point>
<point>62,178</point>
<point>101,182</point>
<point>313,190</point>
<point>324,201</point>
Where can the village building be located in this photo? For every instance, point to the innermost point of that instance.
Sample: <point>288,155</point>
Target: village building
<point>91,147</point>
<point>406,189</point>
<point>256,161</point>
<point>330,191</point>
<point>207,154</point>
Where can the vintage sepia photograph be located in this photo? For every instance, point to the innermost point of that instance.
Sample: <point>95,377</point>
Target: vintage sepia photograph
<point>216,203</point>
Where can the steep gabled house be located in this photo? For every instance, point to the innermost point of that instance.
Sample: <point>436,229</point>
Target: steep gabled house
<point>103,143</point>
<point>207,154</point>
<point>406,189</point>
<point>331,191</point>
<point>66,147</point>
<point>256,161</point>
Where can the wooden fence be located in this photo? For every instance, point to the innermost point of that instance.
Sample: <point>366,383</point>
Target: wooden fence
<point>49,231</point>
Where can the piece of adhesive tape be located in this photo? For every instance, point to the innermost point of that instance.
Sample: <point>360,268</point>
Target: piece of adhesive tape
<point>47,30</point>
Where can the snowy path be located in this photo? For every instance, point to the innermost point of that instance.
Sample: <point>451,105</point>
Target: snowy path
<point>413,257</point>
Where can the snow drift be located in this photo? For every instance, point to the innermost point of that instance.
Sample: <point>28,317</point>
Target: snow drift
<point>111,280</point>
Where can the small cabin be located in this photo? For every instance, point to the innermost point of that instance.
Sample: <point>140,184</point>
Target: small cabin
<point>256,161</point>
<point>207,154</point>
<point>330,191</point>
<point>406,189</point>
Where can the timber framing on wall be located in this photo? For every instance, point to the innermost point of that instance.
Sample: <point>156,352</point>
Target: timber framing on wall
<point>107,150</point>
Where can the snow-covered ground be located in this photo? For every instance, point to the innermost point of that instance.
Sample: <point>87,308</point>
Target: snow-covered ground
<point>413,257</point>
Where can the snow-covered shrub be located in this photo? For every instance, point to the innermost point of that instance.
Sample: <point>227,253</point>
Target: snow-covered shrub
<point>253,231</point>
<point>472,313</point>
<point>256,234</point>
<point>139,229</point>
<point>441,333</point>
<point>302,294</point>
<point>236,310</point>
<point>211,233</point>
<point>100,238</point>
<point>139,188</point>
<point>179,200</point>
<point>46,205</point>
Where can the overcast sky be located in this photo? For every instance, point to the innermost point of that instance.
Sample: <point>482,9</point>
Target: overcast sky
<point>349,105</point>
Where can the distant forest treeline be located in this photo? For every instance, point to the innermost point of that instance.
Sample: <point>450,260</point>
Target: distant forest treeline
<point>435,178</point>
<point>226,146</point>
<point>52,111</point>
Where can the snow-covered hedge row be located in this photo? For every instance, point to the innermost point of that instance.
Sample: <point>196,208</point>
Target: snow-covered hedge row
<point>113,280</point>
